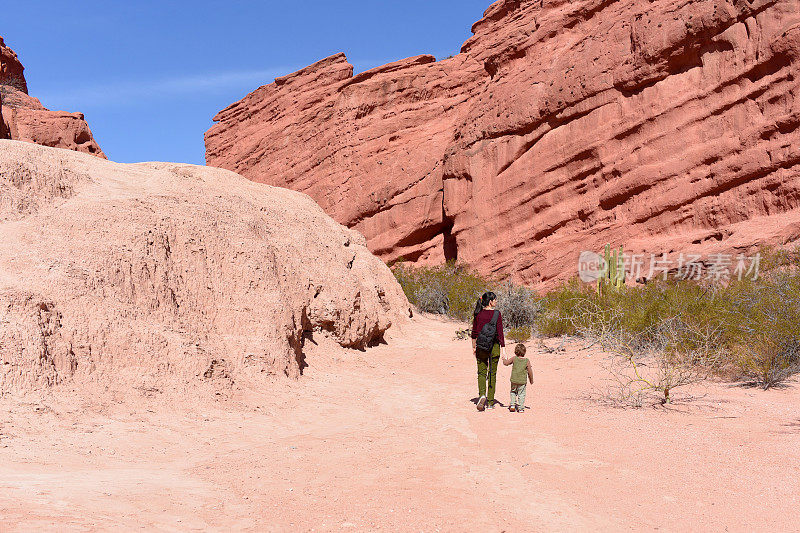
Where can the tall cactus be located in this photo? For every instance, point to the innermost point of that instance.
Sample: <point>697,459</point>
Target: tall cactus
<point>614,274</point>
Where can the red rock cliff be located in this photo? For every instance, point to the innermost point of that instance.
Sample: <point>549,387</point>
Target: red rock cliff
<point>24,118</point>
<point>664,125</point>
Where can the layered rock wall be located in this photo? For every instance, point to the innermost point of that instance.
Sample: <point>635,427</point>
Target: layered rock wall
<point>664,125</point>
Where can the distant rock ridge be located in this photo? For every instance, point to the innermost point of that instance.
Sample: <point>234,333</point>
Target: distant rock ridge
<point>663,125</point>
<point>24,118</point>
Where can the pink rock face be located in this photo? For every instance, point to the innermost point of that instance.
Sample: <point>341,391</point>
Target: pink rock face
<point>24,118</point>
<point>11,70</point>
<point>137,274</point>
<point>661,125</point>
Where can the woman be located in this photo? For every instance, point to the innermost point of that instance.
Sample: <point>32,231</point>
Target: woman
<point>488,344</point>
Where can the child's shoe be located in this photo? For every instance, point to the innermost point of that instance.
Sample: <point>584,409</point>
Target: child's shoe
<point>520,409</point>
<point>512,408</point>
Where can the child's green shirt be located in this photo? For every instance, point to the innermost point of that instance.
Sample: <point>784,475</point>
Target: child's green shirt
<point>519,372</point>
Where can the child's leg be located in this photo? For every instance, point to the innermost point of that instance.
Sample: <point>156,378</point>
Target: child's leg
<point>513,400</point>
<point>521,396</point>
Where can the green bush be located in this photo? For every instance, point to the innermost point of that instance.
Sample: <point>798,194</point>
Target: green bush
<point>453,290</point>
<point>519,305</point>
<point>448,289</point>
<point>521,334</point>
<point>561,310</point>
<point>750,328</point>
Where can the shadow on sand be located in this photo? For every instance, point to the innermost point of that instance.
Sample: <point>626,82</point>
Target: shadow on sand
<point>497,402</point>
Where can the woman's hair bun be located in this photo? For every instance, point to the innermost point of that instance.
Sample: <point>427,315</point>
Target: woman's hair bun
<point>483,301</point>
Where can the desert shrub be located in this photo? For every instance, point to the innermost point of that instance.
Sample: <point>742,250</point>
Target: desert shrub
<point>762,327</point>
<point>432,297</point>
<point>749,329</point>
<point>427,292</point>
<point>452,289</point>
<point>465,287</point>
<point>767,364</point>
<point>773,258</point>
<point>745,327</point>
<point>562,310</point>
<point>520,334</point>
<point>647,369</point>
<point>519,305</point>
<point>448,289</point>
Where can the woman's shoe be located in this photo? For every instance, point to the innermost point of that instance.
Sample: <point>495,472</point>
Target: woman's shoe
<point>481,403</point>
<point>491,404</point>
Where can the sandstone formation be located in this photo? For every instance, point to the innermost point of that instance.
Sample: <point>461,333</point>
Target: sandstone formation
<point>11,70</point>
<point>132,274</point>
<point>663,125</point>
<point>24,118</point>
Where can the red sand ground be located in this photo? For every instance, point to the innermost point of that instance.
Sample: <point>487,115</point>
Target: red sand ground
<point>388,439</point>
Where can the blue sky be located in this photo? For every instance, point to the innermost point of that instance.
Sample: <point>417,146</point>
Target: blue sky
<point>150,75</point>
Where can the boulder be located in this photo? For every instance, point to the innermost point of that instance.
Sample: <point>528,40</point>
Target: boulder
<point>133,275</point>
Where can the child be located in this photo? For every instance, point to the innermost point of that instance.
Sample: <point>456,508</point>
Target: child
<point>520,373</point>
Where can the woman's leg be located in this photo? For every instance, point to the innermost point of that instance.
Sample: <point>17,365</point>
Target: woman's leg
<point>482,366</point>
<point>493,360</point>
<point>493,379</point>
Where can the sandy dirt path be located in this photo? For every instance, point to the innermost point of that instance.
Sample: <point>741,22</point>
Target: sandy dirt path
<point>388,439</point>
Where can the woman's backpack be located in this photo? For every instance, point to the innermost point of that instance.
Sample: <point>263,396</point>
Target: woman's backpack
<point>488,334</point>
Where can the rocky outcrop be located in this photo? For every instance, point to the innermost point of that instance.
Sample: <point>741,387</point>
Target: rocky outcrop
<point>11,70</point>
<point>24,118</point>
<point>663,125</point>
<point>136,274</point>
